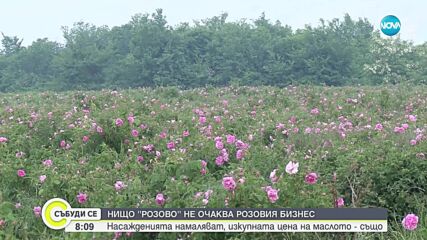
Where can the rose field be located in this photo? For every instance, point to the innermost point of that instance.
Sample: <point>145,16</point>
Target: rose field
<point>236,147</point>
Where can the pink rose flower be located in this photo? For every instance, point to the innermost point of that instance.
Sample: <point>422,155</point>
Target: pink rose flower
<point>340,202</point>
<point>37,211</point>
<point>311,178</point>
<point>273,195</point>
<point>228,183</point>
<point>119,122</point>
<point>410,222</point>
<point>21,173</point>
<point>292,167</point>
<point>81,198</point>
<point>160,199</point>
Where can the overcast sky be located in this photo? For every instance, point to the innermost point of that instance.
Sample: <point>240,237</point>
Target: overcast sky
<point>31,19</point>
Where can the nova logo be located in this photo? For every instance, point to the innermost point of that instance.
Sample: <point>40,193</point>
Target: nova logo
<point>390,25</point>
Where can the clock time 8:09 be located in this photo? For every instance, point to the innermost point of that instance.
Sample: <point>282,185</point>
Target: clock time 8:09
<point>84,226</point>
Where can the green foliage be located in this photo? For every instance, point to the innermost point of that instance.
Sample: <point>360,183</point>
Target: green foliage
<point>146,52</point>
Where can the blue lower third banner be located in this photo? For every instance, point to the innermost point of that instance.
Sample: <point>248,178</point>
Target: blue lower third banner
<point>57,214</point>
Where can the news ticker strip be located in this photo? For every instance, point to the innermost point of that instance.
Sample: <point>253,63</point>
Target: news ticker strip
<point>58,214</point>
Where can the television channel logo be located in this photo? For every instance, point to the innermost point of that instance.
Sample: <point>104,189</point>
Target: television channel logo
<point>390,25</point>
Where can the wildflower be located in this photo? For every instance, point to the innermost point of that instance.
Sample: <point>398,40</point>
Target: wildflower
<point>20,154</point>
<point>186,133</point>
<point>412,118</point>
<point>273,176</point>
<point>292,168</point>
<point>162,135</point>
<point>340,202</point>
<point>81,198</point>
<point>219,145</point>
<point>135,133</point>
<point>171,145</point>
<point>273,195</point>
<point>311,178</point>
<point>379,127</point>
<point>204,163</point>
<point>119,185</point>
<point>219,161</point>
<point>224,154</point>
<point>293,120</point>
<point>314,111</point>
<point>218,139</point>
<point>42,178</point>
<point>119,122</point>
<point>99,129</point>
<point>229,183</point>
<point>21,173</point>
<point>231,139</point>
<point>131,119</point>
<point>198,195</point>
<point>240,154</point>
<point>208,193</point>
<point>241,145</point>
<point>148,148</point>
<point>399,130</point>
<point>48,162</point>
<point>85,139</point>
<point>410,222</point>
<point>37,211</point>
<point>160,199</point>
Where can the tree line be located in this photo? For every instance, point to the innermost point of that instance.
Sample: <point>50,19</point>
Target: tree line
<point>147,52</point>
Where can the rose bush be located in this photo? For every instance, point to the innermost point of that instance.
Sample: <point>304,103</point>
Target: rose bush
<point>225,147</point>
